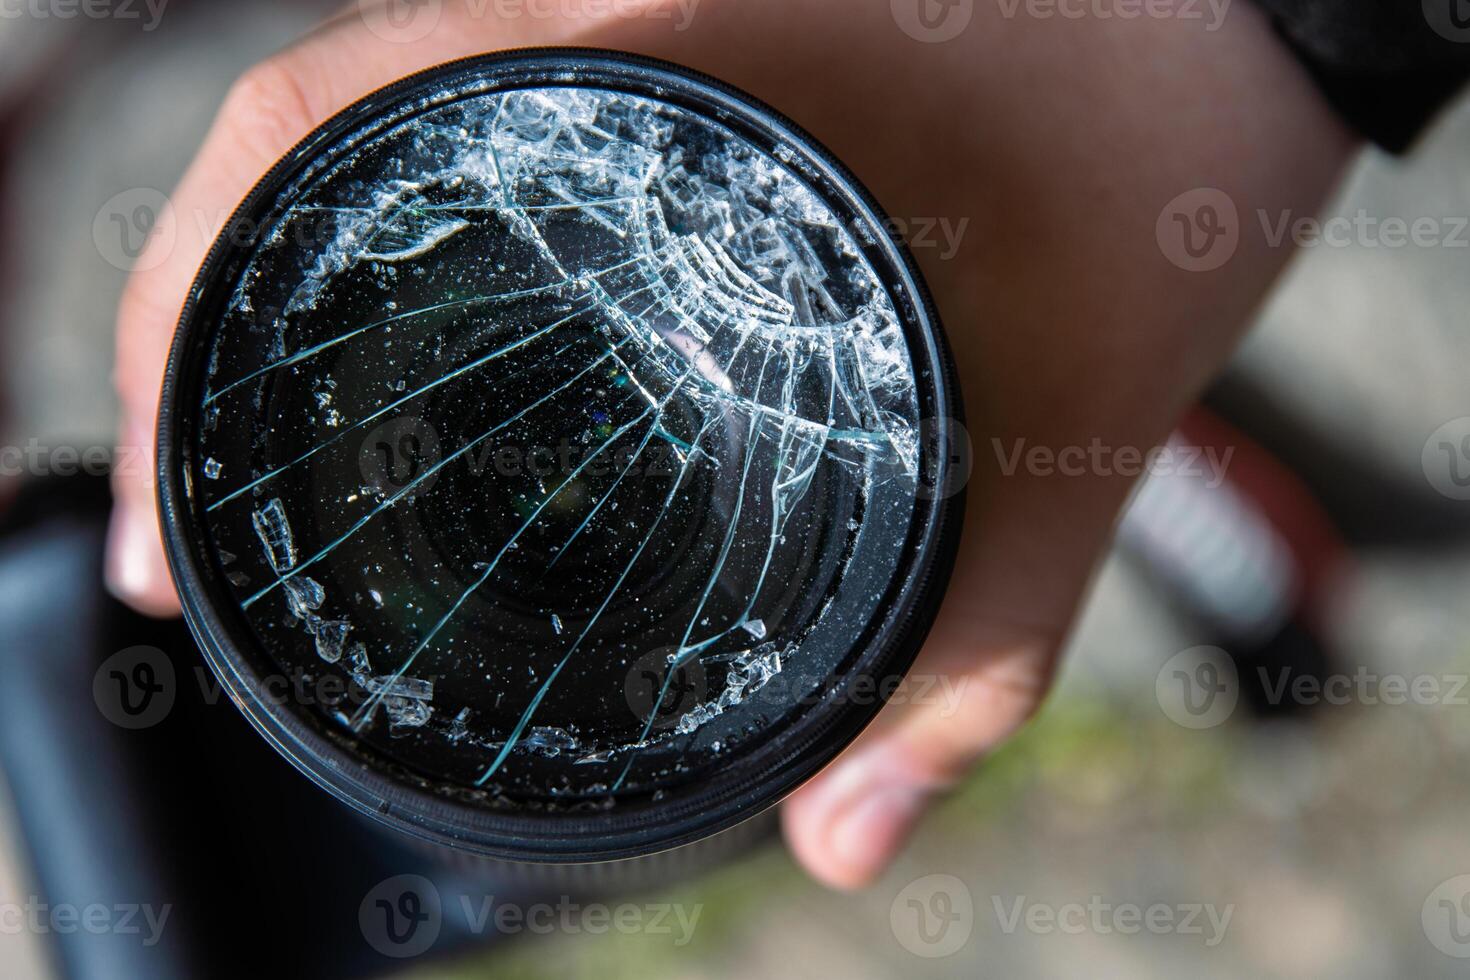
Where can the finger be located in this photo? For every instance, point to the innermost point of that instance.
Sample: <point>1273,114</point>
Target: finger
<point>849,822</point>
<point>1028,551</point>
<point>266,112</point>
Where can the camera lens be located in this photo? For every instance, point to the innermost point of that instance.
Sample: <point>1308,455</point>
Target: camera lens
<point>554,456</point>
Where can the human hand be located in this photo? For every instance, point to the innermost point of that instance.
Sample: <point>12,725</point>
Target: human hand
<point>1049,149</point>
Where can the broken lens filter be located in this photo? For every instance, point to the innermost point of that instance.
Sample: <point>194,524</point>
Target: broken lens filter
<point>553,456</point>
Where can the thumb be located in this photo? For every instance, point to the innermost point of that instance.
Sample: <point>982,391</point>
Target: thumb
<point>849,822</point>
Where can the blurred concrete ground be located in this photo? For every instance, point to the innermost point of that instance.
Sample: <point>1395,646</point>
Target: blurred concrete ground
<point>1327,839</point>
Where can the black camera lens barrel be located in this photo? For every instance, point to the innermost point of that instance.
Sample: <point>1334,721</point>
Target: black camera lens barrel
<point>568,429</point>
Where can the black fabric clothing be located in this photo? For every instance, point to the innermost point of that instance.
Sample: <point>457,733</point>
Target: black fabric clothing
<point>1388,66</point>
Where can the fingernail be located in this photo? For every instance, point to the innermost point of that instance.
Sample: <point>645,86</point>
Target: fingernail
<point>874,827</point>
<point>131,566</point>
<point>135,453</point>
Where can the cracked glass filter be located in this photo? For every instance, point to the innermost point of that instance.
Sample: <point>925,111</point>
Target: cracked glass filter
<point>560,442</point>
